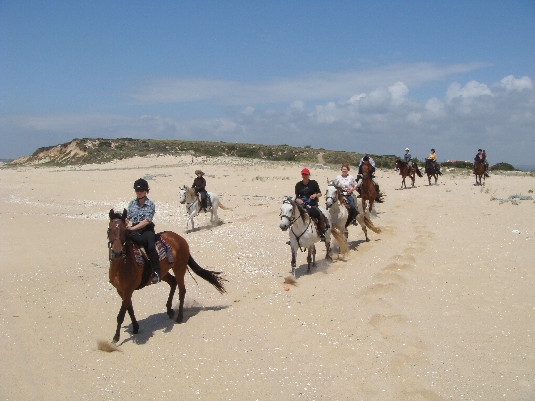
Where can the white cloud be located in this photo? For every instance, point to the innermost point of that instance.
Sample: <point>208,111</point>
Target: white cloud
<point>315,86</point>
<point>398,93</point>
<point>511,83</point>
<point>471,89</point>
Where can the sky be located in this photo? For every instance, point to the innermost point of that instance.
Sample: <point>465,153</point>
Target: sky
<point>361,76</point>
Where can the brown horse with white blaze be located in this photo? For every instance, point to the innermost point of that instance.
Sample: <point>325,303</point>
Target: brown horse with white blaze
<point>126,275</point>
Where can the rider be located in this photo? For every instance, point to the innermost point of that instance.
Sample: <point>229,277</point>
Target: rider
<point>482,158</point>
<point>368,160</point>
<point>432,156</point>
<point>348,184</point>
<point>408,158</point>
<point>140,213</point>
<point>307,192</point>
<point>199,185</point>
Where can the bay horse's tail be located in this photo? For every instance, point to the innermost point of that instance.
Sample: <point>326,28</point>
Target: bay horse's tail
<point>418,170</point>
<point>370,225</point>
<point>212,277</point>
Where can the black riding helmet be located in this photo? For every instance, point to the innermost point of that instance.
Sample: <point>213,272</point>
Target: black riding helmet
<point>141,184</point>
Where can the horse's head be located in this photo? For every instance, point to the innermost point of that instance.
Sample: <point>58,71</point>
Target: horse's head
<point>182,192</point>
<point>331,194</point>
<point>287,214</point>
<point>117,234</point>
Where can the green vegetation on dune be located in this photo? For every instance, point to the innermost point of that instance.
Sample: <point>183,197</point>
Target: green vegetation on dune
<point>99,150</point>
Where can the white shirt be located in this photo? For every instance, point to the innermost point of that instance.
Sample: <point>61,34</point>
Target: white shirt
<point>372,162</point>
<point>347,183</point>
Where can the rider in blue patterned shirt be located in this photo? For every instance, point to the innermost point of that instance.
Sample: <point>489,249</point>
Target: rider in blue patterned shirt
<point>140,213</point>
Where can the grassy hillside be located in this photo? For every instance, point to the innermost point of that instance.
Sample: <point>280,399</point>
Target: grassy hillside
<point>90,150</point>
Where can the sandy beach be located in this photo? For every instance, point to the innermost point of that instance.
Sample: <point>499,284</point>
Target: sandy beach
<point>439,306</point>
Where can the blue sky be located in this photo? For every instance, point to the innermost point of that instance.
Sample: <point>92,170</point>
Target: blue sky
<point>373,76</point>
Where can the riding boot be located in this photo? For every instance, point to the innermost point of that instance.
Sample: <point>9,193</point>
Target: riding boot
<point>322,227</point>
<point>155,262</point>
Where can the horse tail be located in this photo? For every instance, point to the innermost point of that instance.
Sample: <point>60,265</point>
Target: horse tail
<point>212,277</point>
<point>418,172</point>
<point>370,225</point>
<point>340,238</point>
<point>223,207</point>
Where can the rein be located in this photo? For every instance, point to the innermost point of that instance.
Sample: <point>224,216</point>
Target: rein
<point>292,220</point>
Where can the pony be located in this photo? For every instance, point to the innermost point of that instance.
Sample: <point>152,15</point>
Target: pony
<point>430,170</point>
<point>193,205</point>
<point>337,207</point>
<point>405,171</point>
<point>303,233</point>
<point>479,171</point>
<point>127,275</point>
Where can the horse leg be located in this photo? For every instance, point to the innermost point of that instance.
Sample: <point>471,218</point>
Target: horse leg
<point>309,259</point>
<point>126,305</point>
<point>171,280</point>
<point>120,320</point>
<point>181,293</point>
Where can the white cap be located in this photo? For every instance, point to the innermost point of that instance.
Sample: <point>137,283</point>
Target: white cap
<point>407,149</point>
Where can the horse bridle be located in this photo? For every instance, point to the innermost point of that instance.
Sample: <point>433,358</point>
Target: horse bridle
<point>113,253</point>
<point>292,219</point>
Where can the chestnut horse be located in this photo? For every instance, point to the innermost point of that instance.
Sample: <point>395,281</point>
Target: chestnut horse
<point>479,171</point>
<point>367,188</point>
<point>405,171</point>
<point>126,275</point>
<point>430,170</point>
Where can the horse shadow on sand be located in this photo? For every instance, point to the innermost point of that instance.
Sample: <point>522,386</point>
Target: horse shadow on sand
<point>161,322</point>
<point>205,227</point>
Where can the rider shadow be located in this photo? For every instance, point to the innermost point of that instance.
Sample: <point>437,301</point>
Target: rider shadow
<point>161,322</point>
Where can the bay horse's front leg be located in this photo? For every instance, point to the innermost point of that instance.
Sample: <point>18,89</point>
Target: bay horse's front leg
<point>125,306</point>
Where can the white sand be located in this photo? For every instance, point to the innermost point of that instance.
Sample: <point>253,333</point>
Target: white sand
<point>438,306</point>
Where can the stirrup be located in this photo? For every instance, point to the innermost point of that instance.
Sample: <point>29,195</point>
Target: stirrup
<point>322,238</point>
<point>155,278</point>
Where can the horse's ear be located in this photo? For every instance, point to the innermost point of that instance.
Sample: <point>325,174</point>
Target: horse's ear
<point>112,214</point>
<point>124,214</point>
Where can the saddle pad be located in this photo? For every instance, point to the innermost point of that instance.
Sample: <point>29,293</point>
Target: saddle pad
<point>162,247</point>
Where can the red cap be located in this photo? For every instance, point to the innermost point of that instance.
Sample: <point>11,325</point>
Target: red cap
<point>305,171</point>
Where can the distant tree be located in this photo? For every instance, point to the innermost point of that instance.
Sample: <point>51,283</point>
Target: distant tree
<point>503,166</point>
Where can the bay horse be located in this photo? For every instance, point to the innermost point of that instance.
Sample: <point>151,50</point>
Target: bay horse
<point>367,188</point>
<point>193,205</point>
<point>303,233</point>
<point>405,171</point>
<point>479,171</point>
<point>430,170</point>
<point>126,274</point>
<point>338,209</point>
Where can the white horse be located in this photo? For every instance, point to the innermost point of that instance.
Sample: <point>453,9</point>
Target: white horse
<point>338,213</point>
<point>193,205</point>
<point>303,232</point>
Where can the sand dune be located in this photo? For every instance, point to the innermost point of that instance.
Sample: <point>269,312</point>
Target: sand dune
<point>438,306</point>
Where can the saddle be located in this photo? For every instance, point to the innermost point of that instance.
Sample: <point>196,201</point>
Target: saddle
<point>162,247</point>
